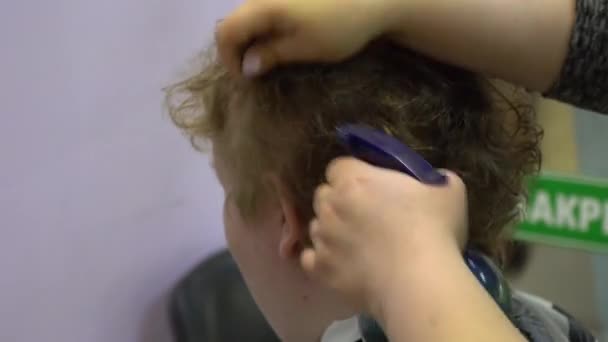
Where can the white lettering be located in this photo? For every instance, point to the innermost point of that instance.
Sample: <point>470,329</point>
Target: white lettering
<point>541,209</point>
<point>590,210</point>
<point>565,211</point>
<point>605,225</point>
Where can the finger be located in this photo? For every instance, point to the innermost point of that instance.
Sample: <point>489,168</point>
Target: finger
<point>251,21</point>
<point>327,234</point>
<point>320,236</point>
<point>454,182</point>
<point>330,206</point>
<point>453,178</point>
<point>279,49</point>
<point>326,237</point>
<point>315,232</point>
<point>457,190</point>
<point>308,260</point>
<point>327,223</point>
<point>313,264</point>
<point>320,199</point>
<point>342,168</point>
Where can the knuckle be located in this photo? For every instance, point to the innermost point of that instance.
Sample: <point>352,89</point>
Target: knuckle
<point>322,191</point>
<point>275,8</point>
<point>344,169</point>
<point>352,188</point>
<point>333,168</point>
<point>456,180</point>
<point>325,213</point>
<point>320,196</point>
<point>314,228</point>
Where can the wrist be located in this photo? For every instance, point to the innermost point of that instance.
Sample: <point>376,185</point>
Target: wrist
<point>398,19</point>
<point>425,260</point>
<point>447,300</point>
<point>389,16</point>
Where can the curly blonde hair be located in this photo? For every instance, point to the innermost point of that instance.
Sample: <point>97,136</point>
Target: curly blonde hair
<point>284,122</point>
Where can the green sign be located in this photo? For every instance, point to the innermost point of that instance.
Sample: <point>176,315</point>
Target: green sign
<point>567,211</point>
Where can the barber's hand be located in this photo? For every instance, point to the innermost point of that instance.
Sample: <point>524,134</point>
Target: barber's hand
<point>372,223</point>
<point>264,33</point>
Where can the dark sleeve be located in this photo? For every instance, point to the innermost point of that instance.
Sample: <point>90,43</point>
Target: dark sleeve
<point>584,78</point>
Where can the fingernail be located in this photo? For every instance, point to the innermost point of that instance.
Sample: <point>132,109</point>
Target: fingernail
<point>251,65</point>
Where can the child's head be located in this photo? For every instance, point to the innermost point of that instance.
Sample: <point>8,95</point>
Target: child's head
<point>274,136</point>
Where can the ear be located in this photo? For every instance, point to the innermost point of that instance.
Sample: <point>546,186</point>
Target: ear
<point>293,232</point>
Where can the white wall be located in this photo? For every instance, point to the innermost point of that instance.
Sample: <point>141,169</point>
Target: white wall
<point>103,205</point>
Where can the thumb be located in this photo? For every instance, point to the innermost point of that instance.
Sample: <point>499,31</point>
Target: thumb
<point>308,260</point>
<point>266,55</point>
<point>453,179</point>
<point>458,188</point>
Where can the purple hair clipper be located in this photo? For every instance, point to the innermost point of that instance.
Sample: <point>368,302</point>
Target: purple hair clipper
<point>382,150</point>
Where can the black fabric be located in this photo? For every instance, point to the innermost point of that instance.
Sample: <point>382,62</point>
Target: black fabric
<point>212,304</point>
<point>584,78</point>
